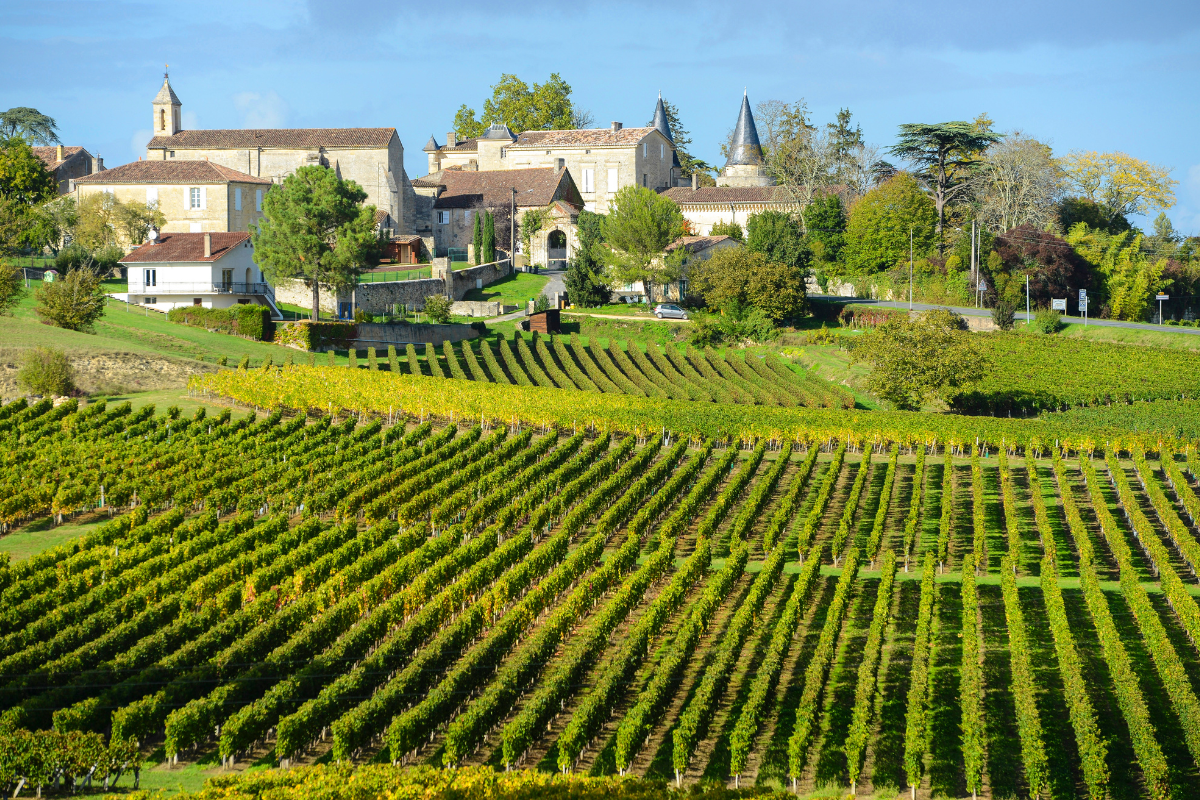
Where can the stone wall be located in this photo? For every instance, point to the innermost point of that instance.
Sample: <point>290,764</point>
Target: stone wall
<point>464,280</point>
<point>378,298</point>
<point>480,308</point>
<point>295,293</point>
<point>376,334</point>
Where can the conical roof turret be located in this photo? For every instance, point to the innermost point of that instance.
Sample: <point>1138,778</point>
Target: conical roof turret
<point>166,94</point>
<point>745,149</point>
<point>660,120</point>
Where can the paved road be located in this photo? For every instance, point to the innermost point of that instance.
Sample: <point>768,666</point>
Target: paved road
<point>987,312</point>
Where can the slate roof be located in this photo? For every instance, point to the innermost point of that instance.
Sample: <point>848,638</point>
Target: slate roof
<point>297,138</point>
<point>186,247</point>
<point>49,155</point>
<point>745,149</point>
<point>598,137</point>
<point>431,145</point>
<point>171,172</point>
<point>660,120</point>
<point>536,186</point>
<point>728,194</point>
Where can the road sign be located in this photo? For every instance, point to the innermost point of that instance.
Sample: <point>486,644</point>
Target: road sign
<point>983,286</point>
<point>1083,295</point>
<point>1160,297</point>
<point>1058,305</point>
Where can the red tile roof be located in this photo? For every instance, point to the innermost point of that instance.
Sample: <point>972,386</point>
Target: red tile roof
<point>49,155</point>
<point>694,244</point>
<point>536,186</point>
<point>597,137</point>
<point>298,138</point>
<point>729,194</point>
<point>172,172</point>
<point>186,247</point>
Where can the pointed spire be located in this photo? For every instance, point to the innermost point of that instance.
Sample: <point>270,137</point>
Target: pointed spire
<point>660,120</point>
<point>166,94</point>
<point>431,145</point>
<point>745,148</point>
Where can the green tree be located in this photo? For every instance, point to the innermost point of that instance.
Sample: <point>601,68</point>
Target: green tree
<point>878,230</point>
<point>477,237</point>
<point>640,225</point>
<point>826,234</point>
<point>736,276</point>
<point>25,185</point>
<point>844,140</point>
<point>590,229</point>
<point>316,228</point>
<point>1073,210</point>
<point>46,371</point>
<point>680,136</point>
<point>532,221</point>
<point>943,154</point>
<point>545,106</point>
<point>585,286</point>
<point>1131,279</point>
<point>30,124</point>
<point>730,229</point>
<point>489,238</point>
<point>777,235</point>
<point>915,361</point>
<point>12,287</point>
<point>437,308</point>
<point>73,302</point>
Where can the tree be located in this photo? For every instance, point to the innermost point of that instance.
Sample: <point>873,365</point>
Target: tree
<point>73,302</point>
<point>314,227</point>
<point>532,221</point>
<point>437,308</point>
<point>489,238</point>
<point>730,229</point>
<point>680,136</point>
<point>777,236</point>
<point>46,371</point>
<point>545,106</point>
<point>877,234</point>
<point>25,185</point>
<point>1119,183</point>
<point>826,234</point>
<point>1018,183</point>
<point>1131,279</point>
<point>737,276</point>
<point>29,124</point>
<point>585,286</point>
<point>477,238</point>
<point>1073,210</point>
<point>942,153</point>
<point>12,288</point>
<point>1053,267</point>
<point>640,225</point>
<point>134,220</point>
<point>915,361</point>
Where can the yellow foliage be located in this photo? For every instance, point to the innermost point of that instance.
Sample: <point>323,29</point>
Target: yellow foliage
<point>1126,185</point>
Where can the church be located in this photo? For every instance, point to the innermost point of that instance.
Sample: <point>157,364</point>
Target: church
<point>371,157</point>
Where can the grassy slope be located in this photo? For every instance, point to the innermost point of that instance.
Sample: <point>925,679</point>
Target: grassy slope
<point>512,290</point>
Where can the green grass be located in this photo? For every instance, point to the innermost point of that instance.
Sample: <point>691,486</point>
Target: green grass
<point>42,535</point>
<point>512,289</point>
<point>1140,336</point>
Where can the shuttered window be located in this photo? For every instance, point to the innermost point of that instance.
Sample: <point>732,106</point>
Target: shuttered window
<point>612,179</point>
<point>589,181</point>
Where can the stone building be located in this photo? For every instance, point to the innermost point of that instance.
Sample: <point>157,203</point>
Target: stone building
<point>371,157</point>
<point>457,196</point>
<point>194,196</point>
<point>68,163</point>
<point>600,160</point>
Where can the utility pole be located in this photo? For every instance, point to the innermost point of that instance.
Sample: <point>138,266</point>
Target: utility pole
<point>1026,299</point>
<point>512,233</point>
<point>974,277</point>
<point>910,266</point>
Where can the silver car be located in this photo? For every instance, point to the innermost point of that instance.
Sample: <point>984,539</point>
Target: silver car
<point>669,311</point>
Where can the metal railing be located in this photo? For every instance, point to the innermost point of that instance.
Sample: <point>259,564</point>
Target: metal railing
<point>174,287</point>
<point>391,276</point>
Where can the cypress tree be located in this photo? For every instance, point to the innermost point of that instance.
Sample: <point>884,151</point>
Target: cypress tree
<point>489,239</point>
<point>477,239</point>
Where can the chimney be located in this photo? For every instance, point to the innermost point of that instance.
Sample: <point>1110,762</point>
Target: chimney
<point>100,163</point>
<point>695,181</point>
<point>451,139</point>
<point>616,126</point>
<point>208,245</point>
<point>58,155</point>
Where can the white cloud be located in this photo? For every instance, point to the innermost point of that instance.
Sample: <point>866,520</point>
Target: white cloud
<point>267,110</point>
<point>139,140</point>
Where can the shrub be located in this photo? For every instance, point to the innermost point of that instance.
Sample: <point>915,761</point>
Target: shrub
<point>308,335</point>
<point>46,371</point>
<point>1047,321</point>
<point>363,316</point>
<point>244,364</point>
<point>705,332</point>
<point>1003,314</point>
<point>12,287</point>
<point>74,302</point>
<point>251,321</point>
<point>437,308</point>
<point>1172,322</point>
<point>541,303</point>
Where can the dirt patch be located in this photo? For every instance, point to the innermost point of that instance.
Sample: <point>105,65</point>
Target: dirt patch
<point>110,373</point>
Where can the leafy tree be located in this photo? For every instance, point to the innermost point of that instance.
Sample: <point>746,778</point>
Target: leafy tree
<point>12,287</point>
<point>730,229</point>
<point>1053,267</point>
<point>1073,210</point>
<point>134,221</point>
<point>532,221</point>
<point>826,234</point>
<point>640,225</point>
<point>1018,183</point>
<point>915,361</point>
<point>943,153</point>
<point>878,230</point>
<point>1130,278</point>
<point>777,235</point>
<point>545,106</point>
<point>590,229</point>
<point>314,227</point>
<point>1119,183</point>
<point>585,286</point>
<point>29,124</point>
<point>477,237</point>
<point>73,302</point>
<point>25,185</point>
<point>680,136</point>
<point>437,308</point>
<point>734,276</point>
<point>844,140</point>
<point>46,371</point>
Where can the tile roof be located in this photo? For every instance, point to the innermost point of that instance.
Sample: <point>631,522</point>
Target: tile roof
<point>694,244</point>
<point>171,172</point>
<point>186,247</point>
<point>728,194</point>
<point>598,137</point>
<point>536,186</point>
<point>302,138</point>
<point>49,155</point>
<point>463,146</point>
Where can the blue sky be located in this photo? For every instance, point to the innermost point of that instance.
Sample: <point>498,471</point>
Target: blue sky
<point>1102,75</point>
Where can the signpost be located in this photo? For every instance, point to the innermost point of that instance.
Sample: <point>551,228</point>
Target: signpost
<point>1160,297</point>
<point>1058,305</point>
<point>979,293</point>
<point>1083,305</point>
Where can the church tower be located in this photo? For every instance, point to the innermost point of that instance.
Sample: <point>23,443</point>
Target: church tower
<point>745,166</point>
<point>167,115</point>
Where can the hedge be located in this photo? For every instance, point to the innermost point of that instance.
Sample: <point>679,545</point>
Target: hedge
<point>251,321</point>
<point>308,335</point>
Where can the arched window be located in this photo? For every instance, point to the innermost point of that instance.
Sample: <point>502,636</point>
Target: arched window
<point>162,119</point>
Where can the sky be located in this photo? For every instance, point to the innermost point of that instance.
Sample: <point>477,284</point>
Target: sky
<point>1101,75</point>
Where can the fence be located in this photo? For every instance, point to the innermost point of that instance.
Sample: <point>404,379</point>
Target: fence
<point>389,276</point>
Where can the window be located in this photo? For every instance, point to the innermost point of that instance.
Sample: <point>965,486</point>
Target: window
<point>612,179</point>
<point>196,301</point>
<point>645,179</point>
<point>149,277</point>
<point>503,151</point>
<point>662,151</point>
<point>589,181</point>
<point>150,300</point>
<point>645,149</point>
<point>467,216</point>
<point>194,197</point>
<point>443,217</point>
<point>172,154</point>
<point>258,199</point>
<point>237,199</point>
<point>227,279</point>
<point>151,195</point>
<point>162,119</point>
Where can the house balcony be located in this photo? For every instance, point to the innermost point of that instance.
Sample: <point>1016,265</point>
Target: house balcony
<point>164,287</point>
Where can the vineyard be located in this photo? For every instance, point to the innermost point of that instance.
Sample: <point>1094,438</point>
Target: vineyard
<point>431,587</point>
<point>669,373</point>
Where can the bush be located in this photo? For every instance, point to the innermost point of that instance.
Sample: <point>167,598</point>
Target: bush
<point>74,302</point>
<point>437,308</point>
<point>363,316</point>
<point>251,321</point>
<point>542,303</point>
<point>705,332</point>
<point>1172,322</point>
<point>46,371</point>
<point>1047,321</point>
<point>1003,314</point>
<point>12,287</point>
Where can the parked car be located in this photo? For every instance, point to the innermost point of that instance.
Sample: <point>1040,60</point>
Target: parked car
<point>669,311</point>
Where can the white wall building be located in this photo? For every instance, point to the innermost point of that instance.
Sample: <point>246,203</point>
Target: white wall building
<point>214,270</point>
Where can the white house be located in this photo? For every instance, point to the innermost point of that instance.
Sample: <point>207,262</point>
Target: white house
<point>214,270</point>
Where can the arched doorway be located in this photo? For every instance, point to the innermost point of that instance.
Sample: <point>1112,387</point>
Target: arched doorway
<point>556,249</point>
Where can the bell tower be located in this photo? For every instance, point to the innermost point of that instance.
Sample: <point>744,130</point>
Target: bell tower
<point>167,115</point>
